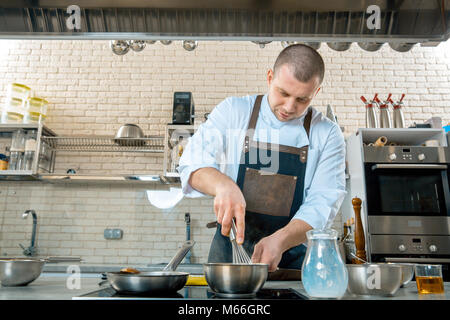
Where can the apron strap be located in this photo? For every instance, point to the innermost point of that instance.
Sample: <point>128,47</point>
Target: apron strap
<point>254,118</point>
<point>307,122</point>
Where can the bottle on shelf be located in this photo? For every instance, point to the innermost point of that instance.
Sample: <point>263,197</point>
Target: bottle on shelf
<point>399,119</point>
<point>385,117</point>
<point>371,117</point>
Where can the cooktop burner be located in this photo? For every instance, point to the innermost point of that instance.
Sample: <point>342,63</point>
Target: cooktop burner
<point>193,292</point>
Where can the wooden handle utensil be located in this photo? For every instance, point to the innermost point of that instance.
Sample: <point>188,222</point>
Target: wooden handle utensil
<point>360,241</point>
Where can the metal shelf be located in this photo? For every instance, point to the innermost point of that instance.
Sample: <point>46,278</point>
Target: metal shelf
<point>150,144</point>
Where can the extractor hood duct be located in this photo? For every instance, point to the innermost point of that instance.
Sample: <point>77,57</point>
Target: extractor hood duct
<point>332,21</point>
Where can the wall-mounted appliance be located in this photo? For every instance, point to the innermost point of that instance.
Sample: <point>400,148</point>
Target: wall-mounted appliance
<point>183,108</point>
<point>404,186</point>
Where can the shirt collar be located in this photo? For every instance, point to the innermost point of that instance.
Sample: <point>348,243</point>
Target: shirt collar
<point>270,118</point>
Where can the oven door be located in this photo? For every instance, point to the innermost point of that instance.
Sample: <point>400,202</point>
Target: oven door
<point>407,190</point>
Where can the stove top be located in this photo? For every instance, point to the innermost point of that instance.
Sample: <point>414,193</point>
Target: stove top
<point>193,292</point>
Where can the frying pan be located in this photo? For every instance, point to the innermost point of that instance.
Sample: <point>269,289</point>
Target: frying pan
<point>166,281</point>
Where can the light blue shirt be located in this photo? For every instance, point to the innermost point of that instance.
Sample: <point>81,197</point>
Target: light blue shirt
<point>218,143</point>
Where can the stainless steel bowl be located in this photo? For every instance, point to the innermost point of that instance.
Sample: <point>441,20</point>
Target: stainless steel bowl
<point>19,271</point>
<point>374,279</point>
<point>228,279</point>
<point>129,135</point>
<point>407,271</point>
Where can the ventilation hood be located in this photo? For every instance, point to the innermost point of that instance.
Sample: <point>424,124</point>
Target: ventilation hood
<point>333,21</point>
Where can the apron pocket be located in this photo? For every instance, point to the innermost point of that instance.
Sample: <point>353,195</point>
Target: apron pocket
<point>268,193</point>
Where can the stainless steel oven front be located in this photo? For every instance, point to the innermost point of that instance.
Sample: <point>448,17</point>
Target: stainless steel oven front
<point>408,203</point>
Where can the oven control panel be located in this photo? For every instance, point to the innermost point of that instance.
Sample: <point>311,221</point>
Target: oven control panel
<point>407,154</point>
<point>410,244</point>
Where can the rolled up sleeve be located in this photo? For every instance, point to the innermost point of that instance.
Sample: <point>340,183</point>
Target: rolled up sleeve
<point>206,148</point>
<point>327,190</point>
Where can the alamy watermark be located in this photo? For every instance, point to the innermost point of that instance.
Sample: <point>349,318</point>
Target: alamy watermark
<point>374,278</point>
<point>374,20</point>
<point>74,20</point>
<point>211,146</point>
<point>73,281</point>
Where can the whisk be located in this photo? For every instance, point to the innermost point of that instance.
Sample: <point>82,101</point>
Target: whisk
<point>240,256</point>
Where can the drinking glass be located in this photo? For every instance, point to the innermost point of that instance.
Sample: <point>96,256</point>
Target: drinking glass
<point>429,278</point>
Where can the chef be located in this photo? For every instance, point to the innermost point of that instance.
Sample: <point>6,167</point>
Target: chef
<point>272,162</point>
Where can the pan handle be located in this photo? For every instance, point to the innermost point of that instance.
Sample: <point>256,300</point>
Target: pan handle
<point>179,256</point>
<point>212,224</point>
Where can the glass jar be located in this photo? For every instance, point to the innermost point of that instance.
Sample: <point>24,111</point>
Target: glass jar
<point>13,111</point>
<point>324,274</point>
<point>35,110</point>
<point>17,150</point>
<point>30,150</point>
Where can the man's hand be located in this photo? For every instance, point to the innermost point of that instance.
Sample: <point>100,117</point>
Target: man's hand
<point>270,249</point>
<point>229,203</point>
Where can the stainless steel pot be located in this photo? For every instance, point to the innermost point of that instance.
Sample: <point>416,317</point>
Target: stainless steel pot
<point>136,45</point>
<point>20,271</point>
<point>119,47</point>
<point>401,47</point>
<point>339,46</point>
<point>167,280</point>
<point>370,46</point>
<point>129,135</point>
<point>374,279</point>
<point>235,280</point>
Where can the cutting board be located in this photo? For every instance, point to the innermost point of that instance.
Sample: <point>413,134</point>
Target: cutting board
<point>285,275</point>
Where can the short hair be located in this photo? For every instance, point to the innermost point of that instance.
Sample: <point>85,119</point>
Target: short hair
<point>303,61</point>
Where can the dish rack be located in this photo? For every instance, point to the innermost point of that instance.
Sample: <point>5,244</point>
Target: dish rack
<point>150,144</point>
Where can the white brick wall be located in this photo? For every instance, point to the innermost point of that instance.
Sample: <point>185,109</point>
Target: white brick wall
<point>92,92</point>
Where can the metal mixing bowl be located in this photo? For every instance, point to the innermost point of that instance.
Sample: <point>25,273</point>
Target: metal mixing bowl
<point>228,279</point>
<point>407,271</point>
<point>19,271</point>
<point>129,135</point>
<point>374,279</point>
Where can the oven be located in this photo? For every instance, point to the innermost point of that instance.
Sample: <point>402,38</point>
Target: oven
<point>408,204</point>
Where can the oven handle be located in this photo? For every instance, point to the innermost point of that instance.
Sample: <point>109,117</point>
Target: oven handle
<point>408,166</point>
<point>418,260</point>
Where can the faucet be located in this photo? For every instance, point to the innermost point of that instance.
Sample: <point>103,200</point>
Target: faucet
<point>31,250</point>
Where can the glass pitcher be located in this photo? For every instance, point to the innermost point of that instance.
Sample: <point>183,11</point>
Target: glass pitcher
<point>324,274</point>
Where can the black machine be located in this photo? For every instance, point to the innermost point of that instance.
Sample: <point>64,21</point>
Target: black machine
<point>183,108</point>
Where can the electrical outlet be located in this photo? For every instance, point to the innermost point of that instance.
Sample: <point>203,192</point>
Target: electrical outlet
<point>113,234</point>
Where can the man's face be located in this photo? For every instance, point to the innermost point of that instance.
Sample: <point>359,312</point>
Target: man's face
<point>288,97</point>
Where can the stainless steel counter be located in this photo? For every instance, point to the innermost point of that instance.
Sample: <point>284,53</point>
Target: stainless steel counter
<point>53,286</point>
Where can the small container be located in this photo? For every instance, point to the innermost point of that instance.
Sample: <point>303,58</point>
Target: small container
<point>17,150</point>
<point>35,110</point>
<point>19,91</point>
<point>15,160</point>
<point>30,149</point>
<point>18,141</point>
<point>3,162</point>
<point>429,278</point>
<point>13,111</point>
